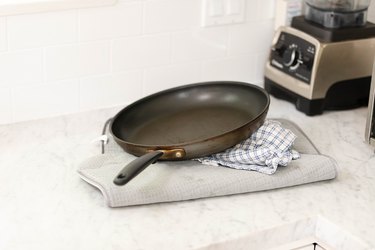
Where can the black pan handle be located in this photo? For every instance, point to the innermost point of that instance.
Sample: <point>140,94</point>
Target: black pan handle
<point>135,167</point>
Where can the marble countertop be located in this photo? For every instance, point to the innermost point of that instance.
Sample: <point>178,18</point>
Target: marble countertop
<point>45,205</point>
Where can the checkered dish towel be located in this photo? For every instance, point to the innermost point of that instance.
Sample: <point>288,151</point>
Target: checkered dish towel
<point>266,149</point>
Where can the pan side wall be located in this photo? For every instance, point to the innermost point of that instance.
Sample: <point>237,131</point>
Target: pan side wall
<point>203,148</point>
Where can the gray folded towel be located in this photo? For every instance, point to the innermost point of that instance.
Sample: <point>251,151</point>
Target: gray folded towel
<point>267,148</point>
<point>168,181</point>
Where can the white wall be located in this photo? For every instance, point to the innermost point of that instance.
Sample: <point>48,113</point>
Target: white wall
<point>371,12</point>
<point>69,61</point>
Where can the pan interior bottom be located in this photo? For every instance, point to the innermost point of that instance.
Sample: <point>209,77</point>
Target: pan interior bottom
<point>189,125</point>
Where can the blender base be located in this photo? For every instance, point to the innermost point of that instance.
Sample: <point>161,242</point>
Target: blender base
<point>307,106</point>
<point>343,95</point>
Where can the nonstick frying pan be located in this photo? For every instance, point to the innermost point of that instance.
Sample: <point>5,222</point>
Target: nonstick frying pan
<point>187,122</point>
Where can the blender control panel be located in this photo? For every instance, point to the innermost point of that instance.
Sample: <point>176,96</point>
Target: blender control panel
<point>294,56</point>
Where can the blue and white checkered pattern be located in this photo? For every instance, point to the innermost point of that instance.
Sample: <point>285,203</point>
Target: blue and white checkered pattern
<point>266,149</point>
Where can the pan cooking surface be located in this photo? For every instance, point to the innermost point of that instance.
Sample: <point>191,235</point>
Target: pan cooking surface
<point>190,125</point>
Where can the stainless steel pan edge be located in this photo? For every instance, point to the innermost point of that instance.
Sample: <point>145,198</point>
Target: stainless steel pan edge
<point>245,129</point>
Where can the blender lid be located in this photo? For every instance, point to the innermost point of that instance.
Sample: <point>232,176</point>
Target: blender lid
<point>339,5</point>
<point>337,13</point>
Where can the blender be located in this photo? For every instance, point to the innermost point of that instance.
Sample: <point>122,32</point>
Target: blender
<point>324,60</point>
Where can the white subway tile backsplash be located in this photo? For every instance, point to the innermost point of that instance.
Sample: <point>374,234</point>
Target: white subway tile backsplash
<point>266,9</point>
<point>140,52</point>
<point>259,68</point>
<point>42,29</point>
<point>232,69</point>
<point>5,106</point>
<point>21,67</point>
<point>371,12</point>
<point>69,61</point>
<point>170,15</point>
<point>105,91</point>
<point>199,44</point>
<point>252,11</point>
<point>45,100</point>
<point>65,61</point>
<point>157,79</point>
<point>3,34</point>
<point>110,22</point>
<point>251,38</point>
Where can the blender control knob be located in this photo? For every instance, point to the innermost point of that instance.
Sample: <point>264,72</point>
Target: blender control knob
<point>279,49</point>
<point>291,57</point>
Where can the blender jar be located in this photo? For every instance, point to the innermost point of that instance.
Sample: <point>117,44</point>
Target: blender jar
<point>337,13</point>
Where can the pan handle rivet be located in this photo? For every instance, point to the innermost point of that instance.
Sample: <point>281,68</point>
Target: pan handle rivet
<point>178,154</point>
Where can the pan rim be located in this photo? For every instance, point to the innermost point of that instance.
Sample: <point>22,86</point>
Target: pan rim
<point>186,86</point>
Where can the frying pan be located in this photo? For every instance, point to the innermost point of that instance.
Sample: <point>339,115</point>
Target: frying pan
<point>187,122</point>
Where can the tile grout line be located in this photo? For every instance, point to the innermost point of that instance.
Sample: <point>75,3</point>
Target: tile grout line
<point>6,34</point>
<point>111,45</point>
<point>12,108</point>
<point>44,66</point>
<point>79,78</point>
<point>11,89</point>
<point>143,22</point>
